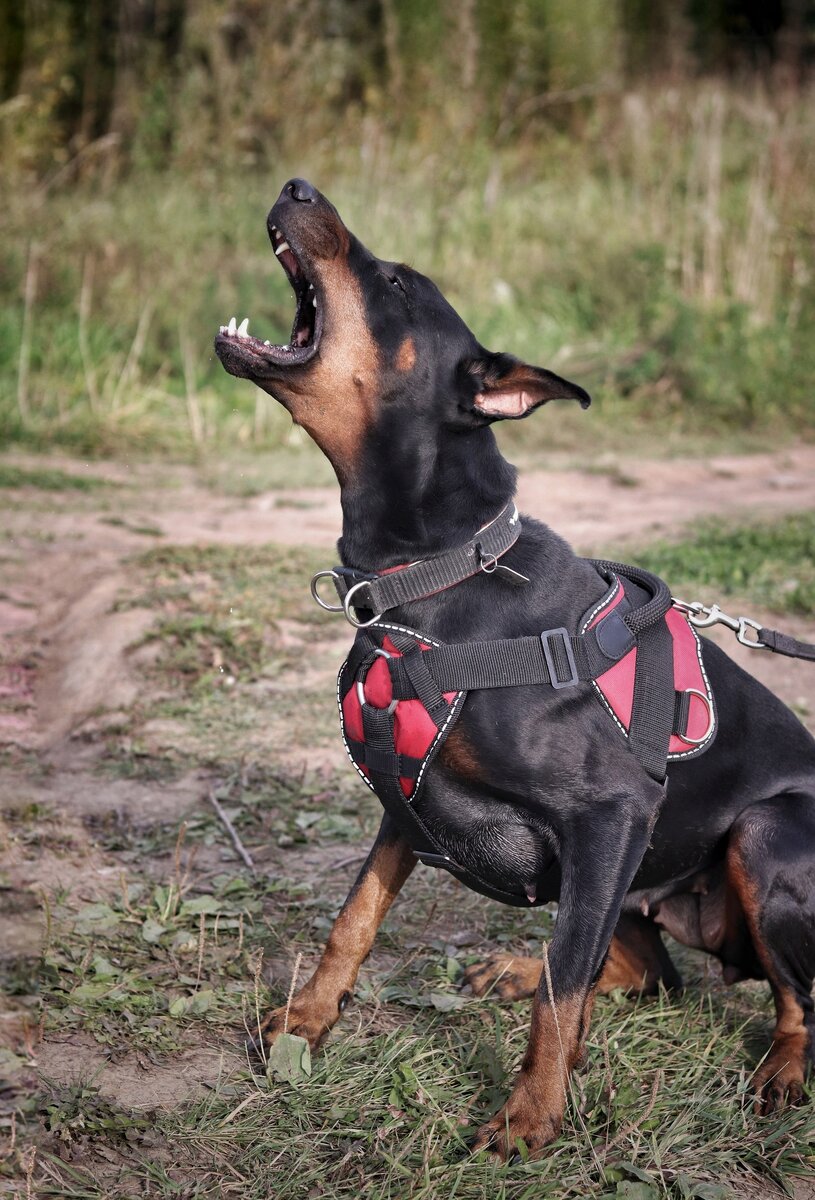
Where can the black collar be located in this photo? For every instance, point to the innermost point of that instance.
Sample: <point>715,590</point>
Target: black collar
<point>377,592</point>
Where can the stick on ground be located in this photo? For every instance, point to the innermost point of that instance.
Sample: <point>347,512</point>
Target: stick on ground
<point>232,831</point>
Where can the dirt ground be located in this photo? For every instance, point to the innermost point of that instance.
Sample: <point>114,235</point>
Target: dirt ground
<point>72,663</point>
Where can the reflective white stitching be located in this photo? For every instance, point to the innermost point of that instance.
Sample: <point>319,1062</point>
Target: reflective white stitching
<point>455,706</point>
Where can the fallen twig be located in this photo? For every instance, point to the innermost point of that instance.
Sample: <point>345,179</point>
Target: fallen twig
<point>232,831</point>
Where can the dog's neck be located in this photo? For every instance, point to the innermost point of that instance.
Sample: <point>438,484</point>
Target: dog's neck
<point>421,498</point>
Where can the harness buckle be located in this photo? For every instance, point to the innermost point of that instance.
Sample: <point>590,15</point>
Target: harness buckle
<point>378,653</point>
<point>548,654</point>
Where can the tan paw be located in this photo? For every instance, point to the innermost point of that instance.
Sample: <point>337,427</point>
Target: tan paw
<point>307,1018</point>
<point>504,976</point>
<point>779,1081</point>
<point>523,1118</point>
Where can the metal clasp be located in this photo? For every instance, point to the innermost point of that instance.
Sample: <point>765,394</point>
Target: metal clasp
<point>378,653</point>
<point>703,616</point>
<point>315,582</point>
<point>347,604</point>
<point>711,719</point>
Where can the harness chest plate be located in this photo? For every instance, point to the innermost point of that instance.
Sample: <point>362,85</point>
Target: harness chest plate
<point>398,701</point>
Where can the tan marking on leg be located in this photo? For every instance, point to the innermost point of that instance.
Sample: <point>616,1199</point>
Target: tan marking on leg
<point>779,1081</point>
<point>534,1110</point>
<point>406,355</point>
<point>504,976</point>
<point>317,1006</point>
<point>628,967</point>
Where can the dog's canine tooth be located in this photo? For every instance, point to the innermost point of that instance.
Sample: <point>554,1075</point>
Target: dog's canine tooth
<point>281,247</point>
<point>314,301</point>
<point>243,328</point>
<point>232,328</point>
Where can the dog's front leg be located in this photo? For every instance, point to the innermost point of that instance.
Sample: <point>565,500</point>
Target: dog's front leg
<point>599,857</point>
<point>319,1003</point>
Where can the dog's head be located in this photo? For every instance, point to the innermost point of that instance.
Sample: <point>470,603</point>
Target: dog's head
<point>373,342</point>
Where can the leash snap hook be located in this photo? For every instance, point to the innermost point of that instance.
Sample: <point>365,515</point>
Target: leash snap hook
<point>751,641</point>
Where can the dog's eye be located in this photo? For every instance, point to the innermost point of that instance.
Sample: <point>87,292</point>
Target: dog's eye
<point>397,282</point>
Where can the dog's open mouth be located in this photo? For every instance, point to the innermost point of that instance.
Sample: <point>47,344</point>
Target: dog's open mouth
<point>236,346</point>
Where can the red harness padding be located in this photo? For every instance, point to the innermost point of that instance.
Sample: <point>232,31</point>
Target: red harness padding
<point>396,739</point>
<point>416,736</point>
<point>615,687</point>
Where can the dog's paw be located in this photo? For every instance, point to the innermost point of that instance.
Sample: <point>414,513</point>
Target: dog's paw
<point>779,1081</point>
<point>504,976</point>
<point>522,1119</point>
<point>306,1018</point>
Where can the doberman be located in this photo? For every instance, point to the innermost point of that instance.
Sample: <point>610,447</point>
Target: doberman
<point>532,783</point>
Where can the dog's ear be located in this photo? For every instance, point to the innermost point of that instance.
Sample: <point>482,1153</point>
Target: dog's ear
<point>506,387</point>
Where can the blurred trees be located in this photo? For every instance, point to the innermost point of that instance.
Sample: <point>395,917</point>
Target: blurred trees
<point>251,74</point>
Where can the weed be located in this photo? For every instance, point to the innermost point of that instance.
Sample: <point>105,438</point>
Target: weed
<point>770,563</point>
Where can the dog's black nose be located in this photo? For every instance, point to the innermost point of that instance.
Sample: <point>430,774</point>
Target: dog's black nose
<point>301,189</point>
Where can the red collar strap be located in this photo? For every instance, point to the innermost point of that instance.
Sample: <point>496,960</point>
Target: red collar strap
<point>377,593</point>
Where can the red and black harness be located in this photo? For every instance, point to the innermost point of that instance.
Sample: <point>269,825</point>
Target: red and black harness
<point>400,692</point>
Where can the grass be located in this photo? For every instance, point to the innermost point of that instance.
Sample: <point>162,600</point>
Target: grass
<point>689,312</point>
<point>49,479</point>
<point>167,964</point>
<point>166,945</point>
<point>770,564</point>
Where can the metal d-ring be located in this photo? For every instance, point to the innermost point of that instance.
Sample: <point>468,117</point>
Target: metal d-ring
<point>685,737</point>
<point>348,603</point>
<point>378,653</point>
<point>315,580</point>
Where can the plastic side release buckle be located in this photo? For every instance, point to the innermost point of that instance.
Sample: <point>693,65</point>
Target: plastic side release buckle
<point>548,654</point>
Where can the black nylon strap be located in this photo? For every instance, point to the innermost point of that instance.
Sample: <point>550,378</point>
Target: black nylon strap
<point>385,762</point>
<point>652,712</point>
<point>782,643</point>
<point>432,574</point>
<point>681,713</point>
<point>507,662</point>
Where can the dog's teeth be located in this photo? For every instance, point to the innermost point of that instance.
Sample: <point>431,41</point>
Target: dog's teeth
<point>243,328</point>
<point>267,343</point>
<point>311,287</point>
<point>281,247</point>
<point>232,328</point>
<point>222,329</point>
<point>314,301</point>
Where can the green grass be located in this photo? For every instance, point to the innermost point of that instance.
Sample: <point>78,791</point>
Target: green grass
<point>678,323</point>
<point>221,607</point>
<point>770,564</point>
<point>49,479</point>
<point>661,1111</point>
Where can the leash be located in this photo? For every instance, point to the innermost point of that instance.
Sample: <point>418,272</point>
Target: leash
<point>704,616</point>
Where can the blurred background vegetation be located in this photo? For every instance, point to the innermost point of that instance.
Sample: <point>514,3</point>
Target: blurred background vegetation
<point>618,189</point>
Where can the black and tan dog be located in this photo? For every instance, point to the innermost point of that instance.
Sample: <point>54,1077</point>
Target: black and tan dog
<point>533,784</point>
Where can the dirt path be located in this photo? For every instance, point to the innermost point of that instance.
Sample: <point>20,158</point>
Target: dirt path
<point>62,568</point>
